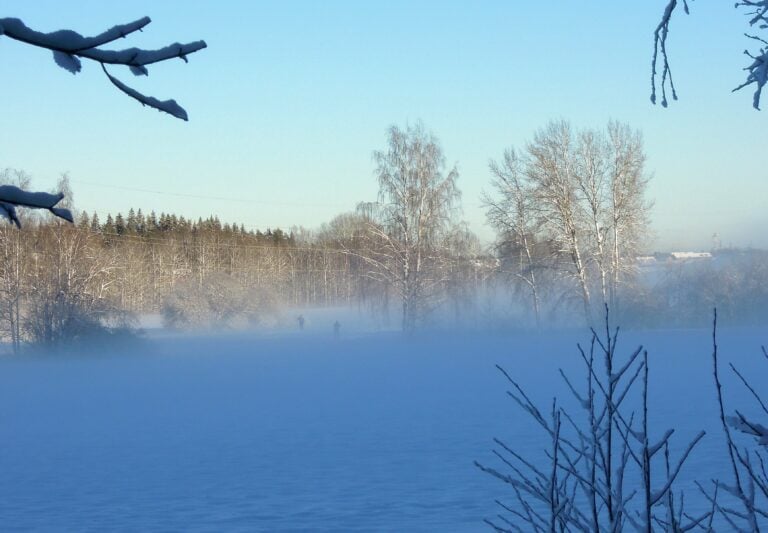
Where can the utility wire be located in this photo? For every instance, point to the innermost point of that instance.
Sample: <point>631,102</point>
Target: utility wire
<point>205,196</point>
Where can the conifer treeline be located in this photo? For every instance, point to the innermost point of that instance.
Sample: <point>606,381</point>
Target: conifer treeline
<point>60,281</point>
<point>154,255</point>
<point>136,223</point>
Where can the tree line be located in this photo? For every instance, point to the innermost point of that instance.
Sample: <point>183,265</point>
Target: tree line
<point>569,209</point>
<point>61,282</point>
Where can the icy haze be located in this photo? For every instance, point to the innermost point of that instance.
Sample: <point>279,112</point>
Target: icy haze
<point>301,432</point>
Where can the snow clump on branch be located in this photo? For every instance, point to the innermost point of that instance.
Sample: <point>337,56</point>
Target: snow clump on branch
<point>69,47</point>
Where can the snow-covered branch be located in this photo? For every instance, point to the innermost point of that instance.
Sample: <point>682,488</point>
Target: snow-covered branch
<point>169,106</point>
<point>758,74</point>
<point>12,197</point>
<point>69,47</point>
<point>660,47</point>
<point>757,69</point>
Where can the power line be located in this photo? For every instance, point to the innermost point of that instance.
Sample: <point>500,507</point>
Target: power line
<point>205,196</point>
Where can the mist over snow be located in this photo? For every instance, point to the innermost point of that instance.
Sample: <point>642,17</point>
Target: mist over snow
<point>296,430</point>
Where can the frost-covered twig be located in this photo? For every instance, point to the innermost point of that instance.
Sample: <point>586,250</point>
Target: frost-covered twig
<point>583,485</point>
<point>758,73</point>
<point>743,489</point>
<point>169,106</point>
<point>660,47</point>
<point>757,69</point>
<point>69,47</point>
<point>751,389</point>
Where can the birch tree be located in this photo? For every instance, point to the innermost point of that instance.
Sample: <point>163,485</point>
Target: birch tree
<point>551,170</point>
<point>590,180</point>
<point>582,194</point>
<point>628,205</point>
<point>511,212</point>
<point>417,196</point>
<point>69,292</point>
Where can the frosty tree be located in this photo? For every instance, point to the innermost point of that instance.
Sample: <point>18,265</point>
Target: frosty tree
<point>69,48</point>
<point>511,213</point>
<point>572,203</point>
<point>757,70</point>
<point>409,226</point>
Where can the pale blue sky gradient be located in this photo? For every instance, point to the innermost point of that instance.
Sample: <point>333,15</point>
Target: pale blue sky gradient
<point>291,98</point>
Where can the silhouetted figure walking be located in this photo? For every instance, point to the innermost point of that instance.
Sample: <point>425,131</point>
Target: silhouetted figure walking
<point>336,330</point>
<point>300,320</point>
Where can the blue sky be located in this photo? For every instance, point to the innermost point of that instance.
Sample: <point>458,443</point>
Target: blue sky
<point>291,98</point>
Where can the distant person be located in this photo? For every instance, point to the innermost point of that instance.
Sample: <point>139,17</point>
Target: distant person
<point>300,320</point>
<point>336,330</point>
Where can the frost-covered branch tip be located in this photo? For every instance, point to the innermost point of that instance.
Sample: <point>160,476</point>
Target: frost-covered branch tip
<point>660,47</point>
<point>12,197</point>
<point>757,69</point>
<point>69,47</point>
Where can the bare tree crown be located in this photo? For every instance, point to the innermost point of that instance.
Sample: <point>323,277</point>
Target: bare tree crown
<point>572,202</point>
<point>410,225</point>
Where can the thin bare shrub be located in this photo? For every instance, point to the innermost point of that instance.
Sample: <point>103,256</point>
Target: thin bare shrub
<point>602,468</point>
<point>747,442</point>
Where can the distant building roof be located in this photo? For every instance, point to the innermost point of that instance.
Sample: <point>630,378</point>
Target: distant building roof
<point>690,255</point>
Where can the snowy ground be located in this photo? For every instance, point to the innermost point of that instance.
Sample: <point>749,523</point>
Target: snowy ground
<point>296,431</point>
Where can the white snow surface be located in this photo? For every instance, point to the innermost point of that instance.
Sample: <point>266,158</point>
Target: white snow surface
<point>295,430</point>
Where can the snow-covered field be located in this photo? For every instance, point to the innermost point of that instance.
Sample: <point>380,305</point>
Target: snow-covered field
<point>298,431</point>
